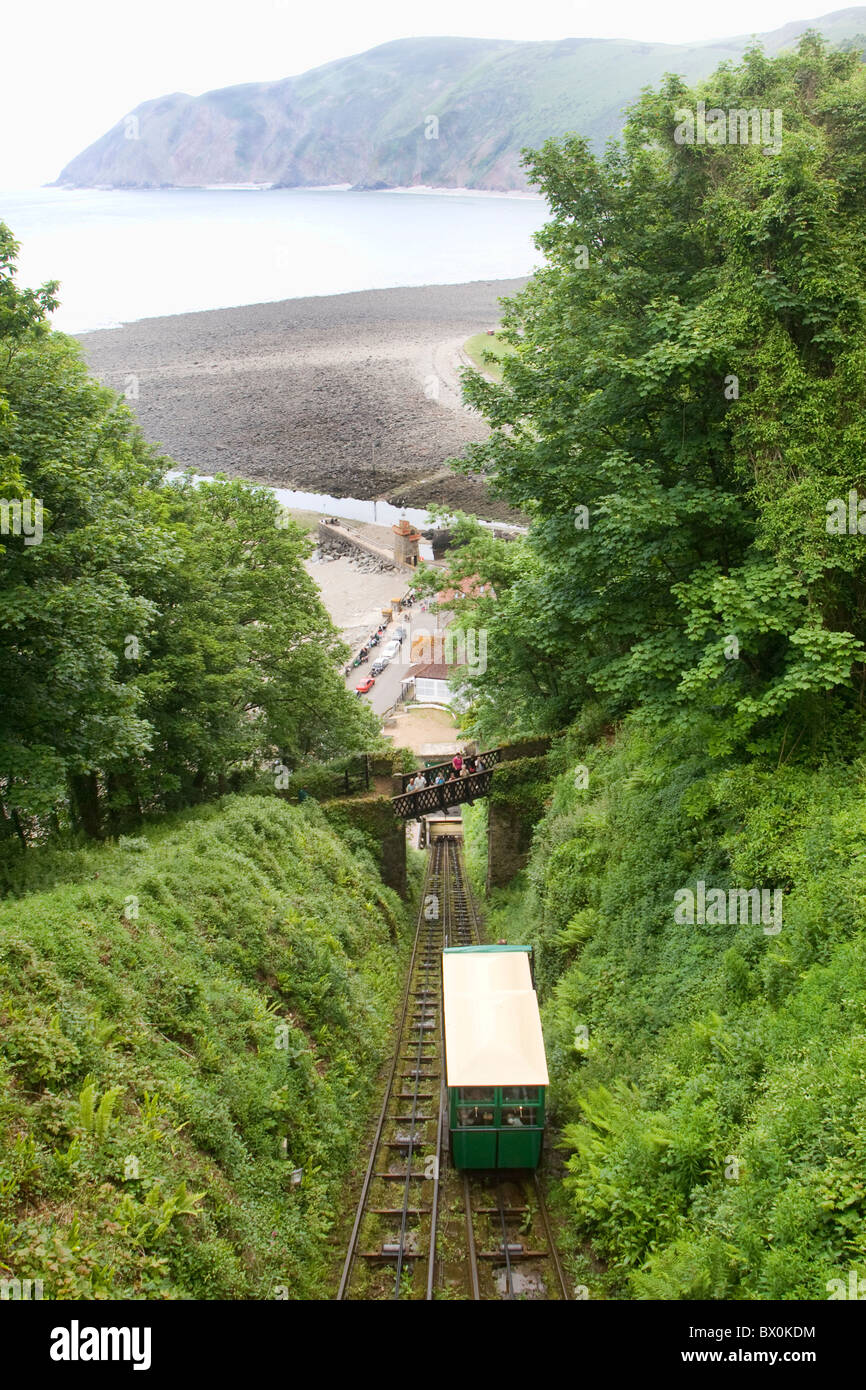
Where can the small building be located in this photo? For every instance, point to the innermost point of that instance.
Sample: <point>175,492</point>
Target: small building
<point>429,682</point>
<point>471,587</point>
<point>406,543</point>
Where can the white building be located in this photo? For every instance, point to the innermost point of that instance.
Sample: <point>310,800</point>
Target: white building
<point>427,682</point>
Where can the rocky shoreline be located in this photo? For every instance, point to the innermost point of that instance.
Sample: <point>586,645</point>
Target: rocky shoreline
<point>355,395</point>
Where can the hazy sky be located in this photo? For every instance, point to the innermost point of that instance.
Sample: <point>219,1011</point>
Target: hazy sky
<point>71,70</point>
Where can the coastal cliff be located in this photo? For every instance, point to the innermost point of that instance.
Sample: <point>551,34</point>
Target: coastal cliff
<point>445,112</point>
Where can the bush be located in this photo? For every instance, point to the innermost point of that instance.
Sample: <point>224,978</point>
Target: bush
<point>187,1016</point>
<point>713,1113</point>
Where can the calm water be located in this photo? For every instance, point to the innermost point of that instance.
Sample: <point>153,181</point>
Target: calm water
<point>355,509</point>
<point>127,255</point>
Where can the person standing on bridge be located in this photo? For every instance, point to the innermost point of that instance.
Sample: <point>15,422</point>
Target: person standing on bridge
<point>457,762</point>
<point>466,771</point>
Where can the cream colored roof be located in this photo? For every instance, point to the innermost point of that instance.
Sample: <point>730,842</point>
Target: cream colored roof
<point>492,1024</point>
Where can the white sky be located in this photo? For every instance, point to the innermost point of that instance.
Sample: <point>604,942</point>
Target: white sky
<point>71,70</point>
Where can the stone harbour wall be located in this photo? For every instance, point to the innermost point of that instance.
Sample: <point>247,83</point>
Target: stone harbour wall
<point>334,541</point>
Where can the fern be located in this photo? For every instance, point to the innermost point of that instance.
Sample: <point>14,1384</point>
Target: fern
<point>86,1099</point>
<point>96,1120</point>
<point>180,1203</point>
<point>103,1114</point>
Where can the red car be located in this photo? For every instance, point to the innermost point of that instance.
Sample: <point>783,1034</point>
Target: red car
<point>365,686</point>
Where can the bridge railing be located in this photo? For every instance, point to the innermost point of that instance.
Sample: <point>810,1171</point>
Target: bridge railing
<point>483,762</point>
<point>441,797</point>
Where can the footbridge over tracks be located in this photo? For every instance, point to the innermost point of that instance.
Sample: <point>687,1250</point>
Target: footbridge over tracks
<point>454,792</point>
<point>515,794</point>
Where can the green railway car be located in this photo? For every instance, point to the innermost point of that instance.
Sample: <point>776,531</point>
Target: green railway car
<point>495,1067</point>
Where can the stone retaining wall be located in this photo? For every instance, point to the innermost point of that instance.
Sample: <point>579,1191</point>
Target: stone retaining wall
<point>337,540</point>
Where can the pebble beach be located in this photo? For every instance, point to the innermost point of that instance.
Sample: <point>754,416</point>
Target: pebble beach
<point>356,395</point>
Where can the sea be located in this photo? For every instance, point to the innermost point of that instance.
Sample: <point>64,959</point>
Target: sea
<point>122,255</point>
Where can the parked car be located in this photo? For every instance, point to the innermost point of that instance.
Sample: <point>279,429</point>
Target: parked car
<point>365,686</point>
<point>399,633</point>
<point>378,666</point>
<point>390,651</point>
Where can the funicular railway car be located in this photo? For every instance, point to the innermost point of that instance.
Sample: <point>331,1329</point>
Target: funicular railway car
<point>495,1067</point>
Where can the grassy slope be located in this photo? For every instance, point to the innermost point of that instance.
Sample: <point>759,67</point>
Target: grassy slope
<point>482,343</point>
<point>717,1117</point>
<point>248,1003</point>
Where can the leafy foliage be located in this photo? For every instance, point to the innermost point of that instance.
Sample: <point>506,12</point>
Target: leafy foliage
<point>699,634</point>
<point>186,1019</point>
<point>713,1111</point>
<point>161,641</point>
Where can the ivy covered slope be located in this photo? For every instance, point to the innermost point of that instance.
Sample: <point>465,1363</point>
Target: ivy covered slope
<point>186,1017</point>
<point>710,1080</point>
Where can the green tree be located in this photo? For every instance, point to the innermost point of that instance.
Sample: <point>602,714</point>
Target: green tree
<point>240,664</point>
<point>69,600</point>
<point>158,641</point>
<point>684,400</point>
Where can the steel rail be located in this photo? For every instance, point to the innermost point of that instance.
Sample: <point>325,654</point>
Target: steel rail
<point>432,869</point>
<point>470,1241</point>
<point>445,914</point>
<point>473,932</point>
<point>412,1120</point>
<point>554,1253</point>
<point>509,1282</point>
<point>434,1204</point>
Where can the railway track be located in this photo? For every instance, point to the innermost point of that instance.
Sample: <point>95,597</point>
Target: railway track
<point>422,1230</point>
<point>512,1253</point>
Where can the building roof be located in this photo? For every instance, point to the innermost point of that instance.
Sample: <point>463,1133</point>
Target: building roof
<point>469,587</point>
<point>492,1025</point>
<point>429,671</point>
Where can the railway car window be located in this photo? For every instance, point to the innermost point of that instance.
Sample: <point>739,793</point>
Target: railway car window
<point>478,1095</point>
<point>468,1115</point>
<point>526,1094</point>
<point>518,1115</point>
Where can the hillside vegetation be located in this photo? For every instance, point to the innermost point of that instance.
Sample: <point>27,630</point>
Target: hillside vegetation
<point>709,1081</point>
<point>451,112</point>
<point>187,1017</point>
<point>196,989</point>
<point>682,417</point>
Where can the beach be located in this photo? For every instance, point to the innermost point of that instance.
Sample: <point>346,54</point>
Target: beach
<point>353,598</point>
<point>356,395</point>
